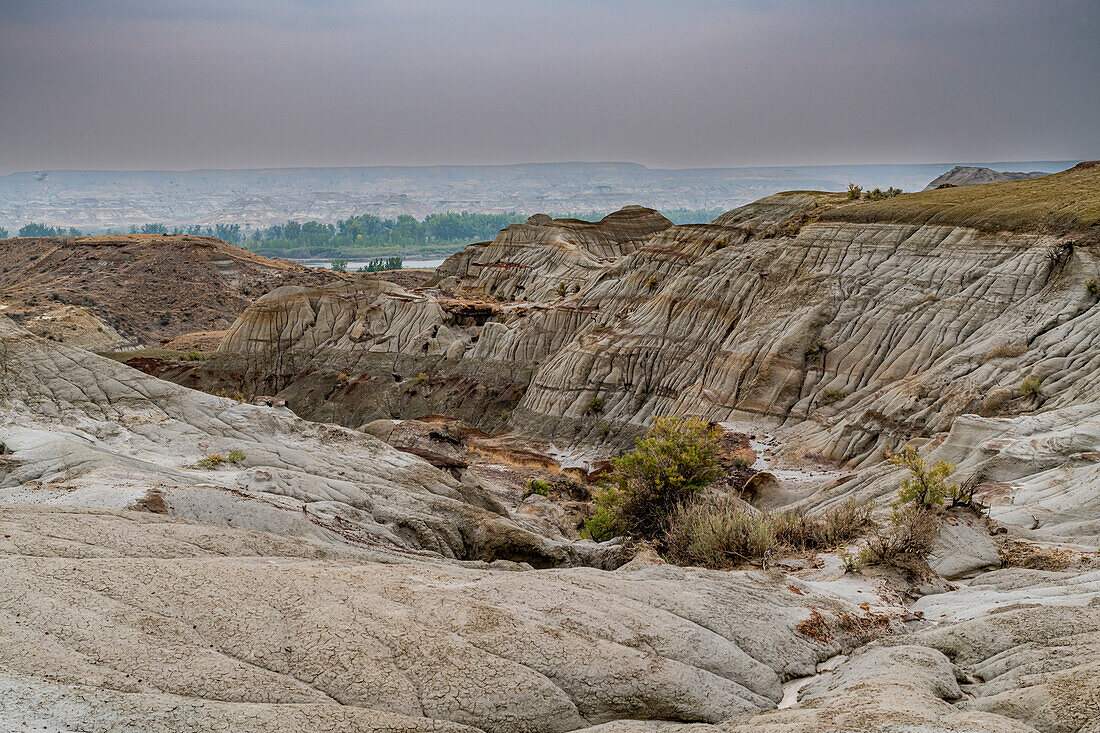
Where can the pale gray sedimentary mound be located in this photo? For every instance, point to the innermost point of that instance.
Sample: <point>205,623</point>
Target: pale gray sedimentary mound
<point>1038,475</point>
<point>1028,665</point>
<point>124,618</point>
<point>533,260</point>
<point>968,175</point>
<point>82,429</point>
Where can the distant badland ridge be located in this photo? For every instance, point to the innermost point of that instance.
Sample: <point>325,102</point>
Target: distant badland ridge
<point>100,200</point>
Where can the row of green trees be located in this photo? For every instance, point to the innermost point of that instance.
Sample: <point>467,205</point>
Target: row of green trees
<point>228,232</point>
<point>360,236</point>
<point>367,235</point>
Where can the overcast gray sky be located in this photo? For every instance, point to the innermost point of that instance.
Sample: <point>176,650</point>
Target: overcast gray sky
<point>123,84</point>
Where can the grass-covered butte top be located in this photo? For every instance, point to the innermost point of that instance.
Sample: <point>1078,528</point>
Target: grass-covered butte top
<point>1060,203</point>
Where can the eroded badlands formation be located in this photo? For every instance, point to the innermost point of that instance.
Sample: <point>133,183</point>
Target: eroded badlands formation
<point>138,290</point>
<point>316,578</point>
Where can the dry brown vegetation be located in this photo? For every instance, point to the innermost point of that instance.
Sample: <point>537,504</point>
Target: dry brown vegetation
<point>1005,351</point>
<point>720,532</point>
<point>1036,204</point>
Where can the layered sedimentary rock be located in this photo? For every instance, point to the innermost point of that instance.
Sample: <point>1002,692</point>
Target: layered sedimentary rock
<point>864,325</point>
<point>543,258</point>
<point>312,576</point>
<point>83,429</point>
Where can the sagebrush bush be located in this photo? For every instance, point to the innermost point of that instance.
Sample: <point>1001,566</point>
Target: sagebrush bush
<point>830,396</point>
<point>913,530</point>
<point>1005,351</point>
<point>719,532</point>
<point>994,402</point>
<point>1032,387</point>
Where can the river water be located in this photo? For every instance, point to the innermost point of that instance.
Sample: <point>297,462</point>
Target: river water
<point>354,265</point>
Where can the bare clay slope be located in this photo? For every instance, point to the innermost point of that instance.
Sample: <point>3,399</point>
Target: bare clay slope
<point>314,581</point>
<point>135,290</point>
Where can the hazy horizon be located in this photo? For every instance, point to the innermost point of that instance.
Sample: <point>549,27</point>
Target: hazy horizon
<point>1068,161</point>
<point>108,85</point>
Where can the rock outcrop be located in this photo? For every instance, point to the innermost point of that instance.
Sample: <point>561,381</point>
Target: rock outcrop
<point>84,429</point>
<point>311,573</point>
<point>859,326</point>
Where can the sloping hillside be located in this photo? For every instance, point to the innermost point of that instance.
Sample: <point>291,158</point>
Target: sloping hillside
<point>1060,203</point>
<point>105,292</point>
<point>969,175</point>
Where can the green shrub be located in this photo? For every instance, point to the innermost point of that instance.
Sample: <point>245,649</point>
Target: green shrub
<point>1093,286</point>
<point>536,486</point>
<point>603,431</point>
<point>603,523</point>
<point>594,406</point>
<point>854,191</point>
<point>217,460</point>
<point>671,464</point>
<point>562,290</point>
<point>1032,387</point>
<point>382,264</point>
<point>831,396</point>
<point>339,265</point>
<point>421,379</point>
<point>651,283</point>
<point>924,487</point>
<point>741,462</point>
